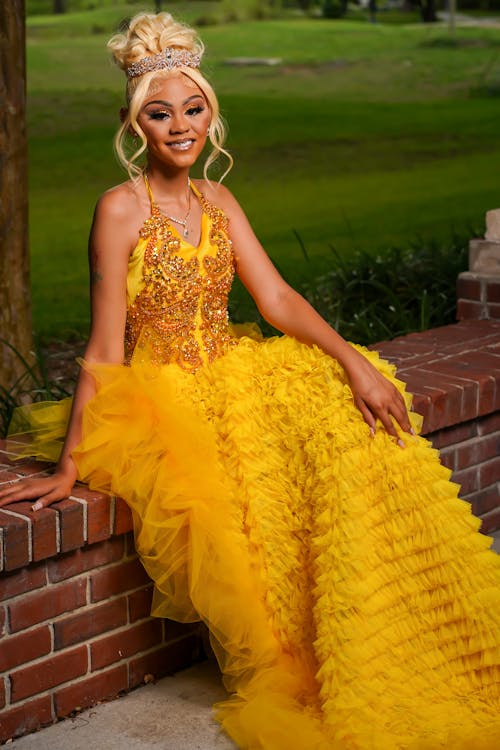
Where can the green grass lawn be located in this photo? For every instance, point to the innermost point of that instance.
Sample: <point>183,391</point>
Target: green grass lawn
<point>366,135</point>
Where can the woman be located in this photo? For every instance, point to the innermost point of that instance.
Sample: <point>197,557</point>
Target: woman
<point>278,490</point>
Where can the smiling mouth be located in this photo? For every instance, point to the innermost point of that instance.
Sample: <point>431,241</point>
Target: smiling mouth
<point>183,145</point>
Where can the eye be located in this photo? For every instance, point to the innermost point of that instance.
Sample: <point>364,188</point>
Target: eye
<point>161,115</point>
<point>192,111</point>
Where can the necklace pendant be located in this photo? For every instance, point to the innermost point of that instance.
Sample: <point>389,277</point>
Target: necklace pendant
<point>185,233</point>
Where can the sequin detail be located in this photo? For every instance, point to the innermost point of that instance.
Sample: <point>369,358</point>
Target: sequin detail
<point>180,314</point>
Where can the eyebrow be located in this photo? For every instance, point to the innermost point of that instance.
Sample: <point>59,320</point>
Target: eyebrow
<point>168,104</point>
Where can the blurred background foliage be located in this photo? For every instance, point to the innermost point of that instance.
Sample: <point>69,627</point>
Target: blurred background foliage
<point>223,11</point>
<point>365,159</point>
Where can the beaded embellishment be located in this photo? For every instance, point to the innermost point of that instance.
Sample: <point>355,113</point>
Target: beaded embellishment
<point>180,314</point>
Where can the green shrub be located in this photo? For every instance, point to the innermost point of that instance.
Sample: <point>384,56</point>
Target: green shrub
<point>400,290</point>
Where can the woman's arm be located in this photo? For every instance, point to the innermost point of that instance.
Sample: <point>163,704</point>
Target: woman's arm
<point>109,250</point>
<point>375,396</point>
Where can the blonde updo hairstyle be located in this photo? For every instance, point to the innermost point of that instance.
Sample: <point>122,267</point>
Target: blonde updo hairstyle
<point>147,35</point>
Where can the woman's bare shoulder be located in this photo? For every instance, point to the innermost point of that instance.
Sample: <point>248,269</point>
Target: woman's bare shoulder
<point>120,200</point>
<point>119,216</point>
<point>123,209</point>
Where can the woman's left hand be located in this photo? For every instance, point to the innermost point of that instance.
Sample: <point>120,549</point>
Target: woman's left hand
<point>377,398</point>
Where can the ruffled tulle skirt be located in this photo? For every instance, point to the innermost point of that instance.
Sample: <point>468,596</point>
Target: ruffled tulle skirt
<point>351,602</point>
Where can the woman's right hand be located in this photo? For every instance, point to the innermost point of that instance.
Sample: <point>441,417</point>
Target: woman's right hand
<point>46,490</point>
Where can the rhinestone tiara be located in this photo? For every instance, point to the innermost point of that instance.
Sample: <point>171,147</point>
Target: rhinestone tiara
<point>167,59</point>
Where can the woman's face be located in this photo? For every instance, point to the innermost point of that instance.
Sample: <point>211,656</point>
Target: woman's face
<point>175,119</point>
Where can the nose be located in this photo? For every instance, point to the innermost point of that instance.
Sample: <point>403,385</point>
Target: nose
<point>178,124</point>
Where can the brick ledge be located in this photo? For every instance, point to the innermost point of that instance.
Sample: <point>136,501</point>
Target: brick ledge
<point>85,518</point>
<point>453,371</point>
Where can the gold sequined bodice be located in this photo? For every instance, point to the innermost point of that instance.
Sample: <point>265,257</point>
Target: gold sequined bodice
<point>177,294</point>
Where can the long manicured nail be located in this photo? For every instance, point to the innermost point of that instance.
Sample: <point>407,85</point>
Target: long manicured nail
<point>412,431</point>
<point>37,506</point>
<point>400,443</point>
<point>372,431</point>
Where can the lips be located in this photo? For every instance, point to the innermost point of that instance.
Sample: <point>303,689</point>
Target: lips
<point>183,145</point>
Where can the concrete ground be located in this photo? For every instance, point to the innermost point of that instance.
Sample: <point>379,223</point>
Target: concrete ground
<point>175,713</point>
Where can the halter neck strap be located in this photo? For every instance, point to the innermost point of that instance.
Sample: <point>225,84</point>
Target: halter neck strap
<point>195,189</point>
<point>148,188</point>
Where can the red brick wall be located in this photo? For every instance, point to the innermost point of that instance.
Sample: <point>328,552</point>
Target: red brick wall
<point>453,373</point>
<point>478,296</point>
<point>472,451</point>
<point>74,601</point>
<point>74,610</point>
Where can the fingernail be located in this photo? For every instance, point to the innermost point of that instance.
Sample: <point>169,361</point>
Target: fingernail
<point>37,506</point>
<point>412,431</point>
<point>372,431</point>
<point>400,443</point>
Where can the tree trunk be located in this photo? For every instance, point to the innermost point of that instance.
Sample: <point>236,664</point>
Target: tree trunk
<point>15,301</point>
<point>59,6</point>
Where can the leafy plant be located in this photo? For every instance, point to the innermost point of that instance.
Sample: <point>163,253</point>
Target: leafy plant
<point>34,384</point>
<point>400,290</point>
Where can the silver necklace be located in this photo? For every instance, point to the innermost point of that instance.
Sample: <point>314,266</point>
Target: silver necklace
<point>183,222</point>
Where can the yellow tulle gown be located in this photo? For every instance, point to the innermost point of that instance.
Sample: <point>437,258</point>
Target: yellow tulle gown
<point>351,601</point>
